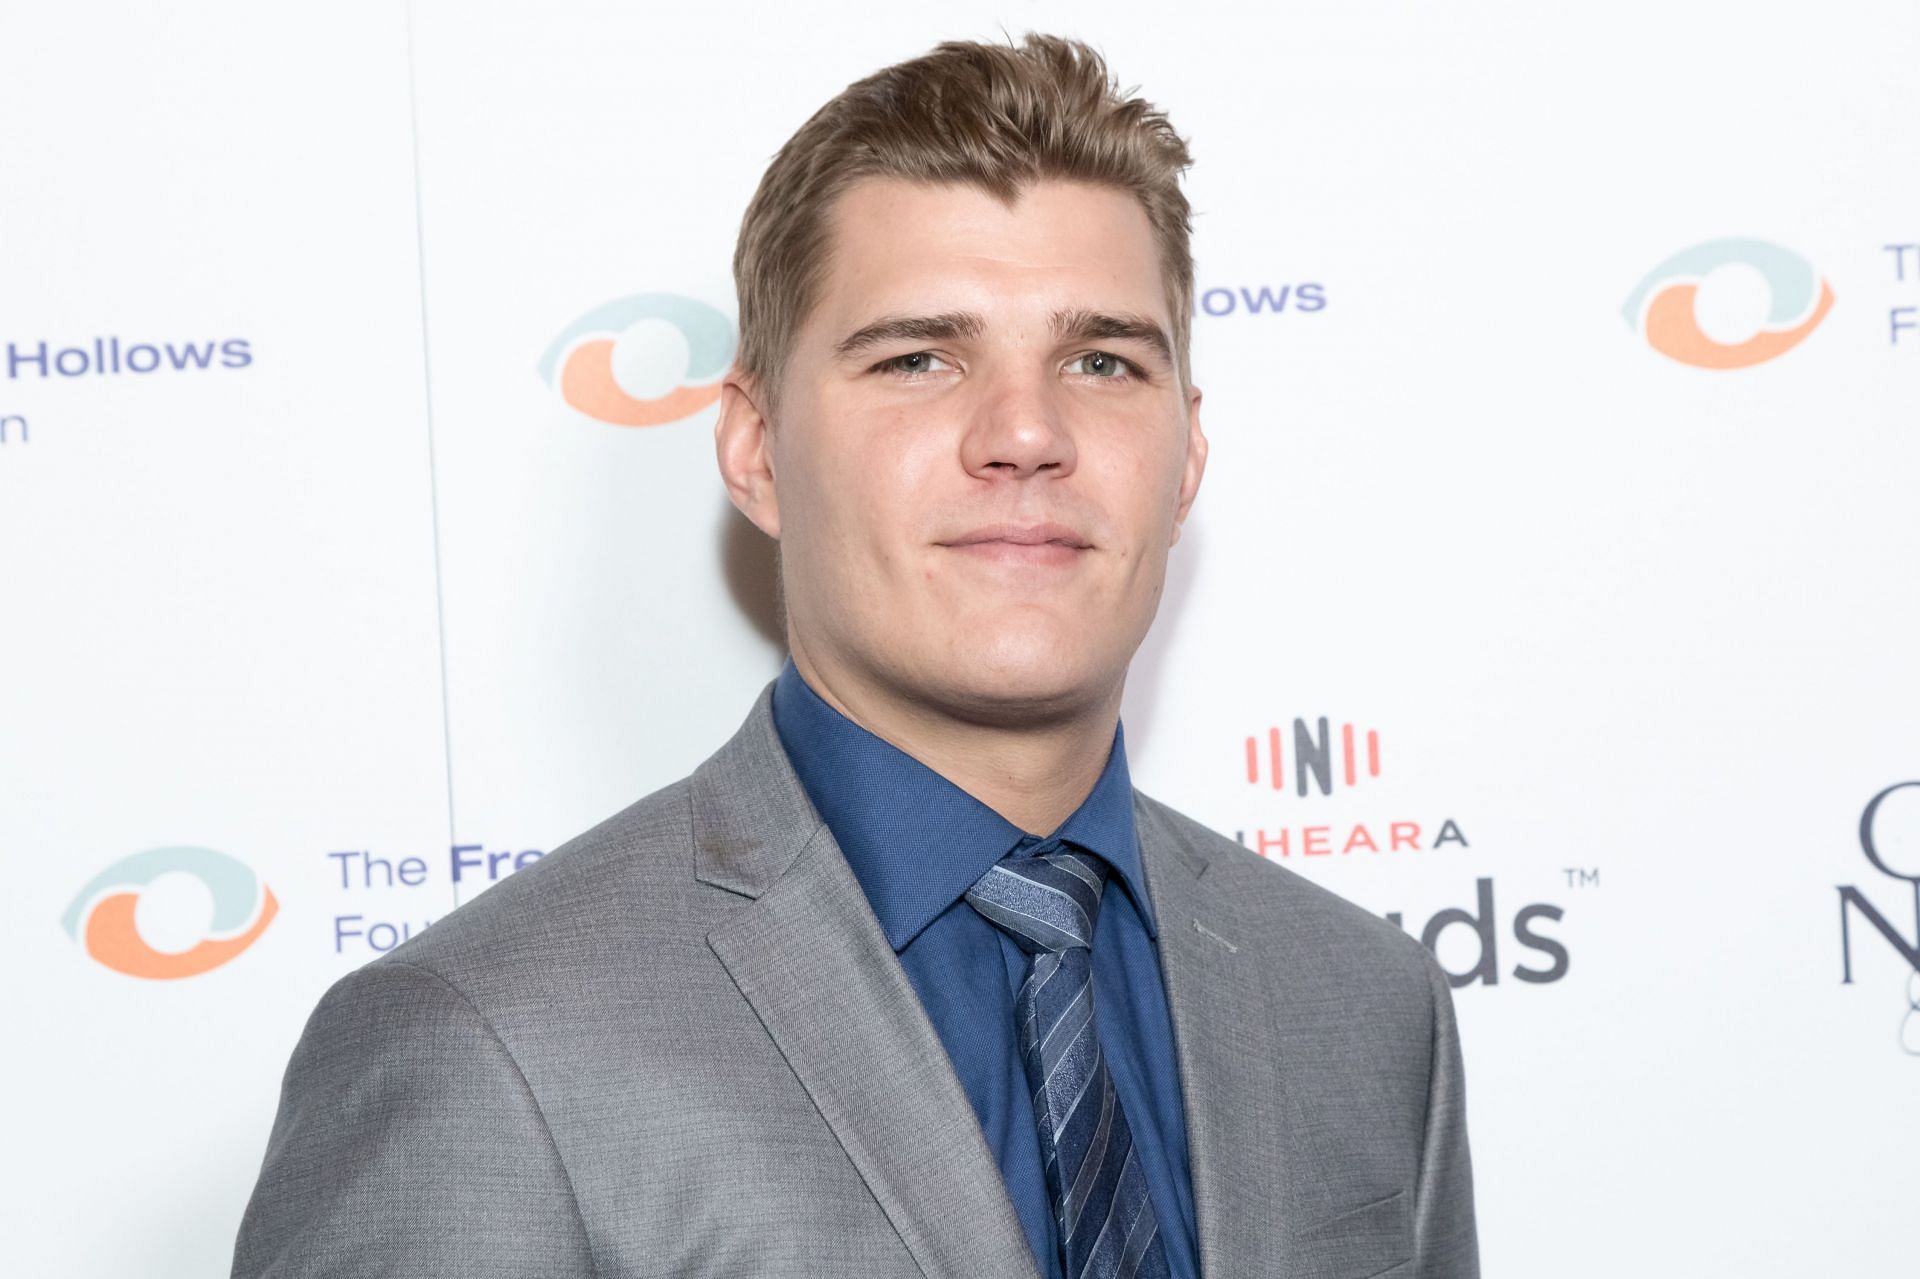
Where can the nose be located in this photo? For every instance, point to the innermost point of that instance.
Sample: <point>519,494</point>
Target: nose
<point>1019,429</point>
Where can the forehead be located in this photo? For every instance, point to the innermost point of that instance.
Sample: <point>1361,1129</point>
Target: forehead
<point>899,246</point>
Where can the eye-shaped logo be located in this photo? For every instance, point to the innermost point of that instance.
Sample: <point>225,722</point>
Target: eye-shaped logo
<point>102,916</point>
<point>646,360</point>
<point>1661,307</point>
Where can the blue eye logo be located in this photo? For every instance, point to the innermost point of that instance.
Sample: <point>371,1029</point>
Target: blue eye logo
<point>101,917</point>
<point>644,360</point>
<point>1661,307</point>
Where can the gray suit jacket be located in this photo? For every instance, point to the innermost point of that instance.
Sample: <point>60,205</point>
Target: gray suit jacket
<point>681,1045</point>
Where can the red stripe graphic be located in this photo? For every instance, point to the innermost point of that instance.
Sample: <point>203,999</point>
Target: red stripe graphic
<point>1314,742</point>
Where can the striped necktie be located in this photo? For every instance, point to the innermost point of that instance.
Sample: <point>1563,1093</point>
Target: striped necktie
<point>1048,904</point>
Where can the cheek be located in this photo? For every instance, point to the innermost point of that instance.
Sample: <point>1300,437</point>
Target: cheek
<point>865,491</point>
<point>1142,486</point>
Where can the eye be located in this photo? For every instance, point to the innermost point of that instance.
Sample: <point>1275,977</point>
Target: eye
<point>1105,366</point>
<point>912,362</point>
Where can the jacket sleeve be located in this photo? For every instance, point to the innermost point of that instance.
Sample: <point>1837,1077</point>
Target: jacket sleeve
<point>408,1143</point>
<point>1445,1242</point>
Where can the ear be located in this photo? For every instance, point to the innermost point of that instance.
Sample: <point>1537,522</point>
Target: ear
<point>1196,463</point>
<point>743,443</point>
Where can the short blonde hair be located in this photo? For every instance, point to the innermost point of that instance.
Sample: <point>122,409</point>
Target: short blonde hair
<point>996,117</point>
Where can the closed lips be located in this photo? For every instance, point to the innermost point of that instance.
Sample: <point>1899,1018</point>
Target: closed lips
<point>1022,535</point>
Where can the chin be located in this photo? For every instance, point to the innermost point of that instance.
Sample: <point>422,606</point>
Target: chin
<point>1027,682</point>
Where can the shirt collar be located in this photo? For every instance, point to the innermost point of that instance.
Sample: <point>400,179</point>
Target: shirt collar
<point>915,840</point>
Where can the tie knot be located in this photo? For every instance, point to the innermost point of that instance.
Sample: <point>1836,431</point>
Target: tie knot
<point>1047,902</point>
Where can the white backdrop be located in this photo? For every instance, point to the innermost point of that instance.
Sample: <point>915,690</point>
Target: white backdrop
<point>365,601</point>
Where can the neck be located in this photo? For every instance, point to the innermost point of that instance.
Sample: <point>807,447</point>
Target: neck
<point>1034,774</point>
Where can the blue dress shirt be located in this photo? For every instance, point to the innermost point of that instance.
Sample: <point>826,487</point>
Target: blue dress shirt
<point>916,843</point>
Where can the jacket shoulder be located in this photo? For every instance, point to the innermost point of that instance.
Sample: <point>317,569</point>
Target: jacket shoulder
<point>633,870</point>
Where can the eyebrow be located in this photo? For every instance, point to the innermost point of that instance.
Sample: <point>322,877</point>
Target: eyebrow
<point>912,328</point>
<point>1067,325</point>
<point>1098,326</point>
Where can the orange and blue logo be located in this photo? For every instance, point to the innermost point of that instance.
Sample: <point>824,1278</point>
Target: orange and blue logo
<point>644,360</point>
<point>1661,307</point>
<point>102,917</point>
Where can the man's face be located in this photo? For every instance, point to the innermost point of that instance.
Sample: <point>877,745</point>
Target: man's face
<point>982,450</point>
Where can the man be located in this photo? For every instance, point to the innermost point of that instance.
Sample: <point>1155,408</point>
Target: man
<point>907,979</point>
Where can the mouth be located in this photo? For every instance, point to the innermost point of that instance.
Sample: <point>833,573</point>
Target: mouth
<point>1022,543</point>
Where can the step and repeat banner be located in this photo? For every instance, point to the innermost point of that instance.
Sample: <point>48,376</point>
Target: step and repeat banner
<point>1554,591</point>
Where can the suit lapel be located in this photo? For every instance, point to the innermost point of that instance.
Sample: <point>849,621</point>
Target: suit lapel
<point>1250,1152</point>
<point>809,956</point>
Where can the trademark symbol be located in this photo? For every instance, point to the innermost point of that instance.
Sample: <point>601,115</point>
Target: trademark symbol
<point>1579,877</point>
